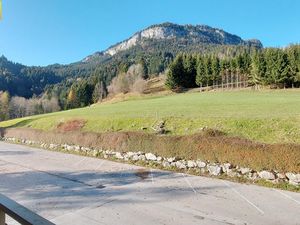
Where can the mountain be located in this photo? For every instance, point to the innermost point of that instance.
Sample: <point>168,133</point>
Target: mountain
<point>156,46</point>
<point>183,34</point>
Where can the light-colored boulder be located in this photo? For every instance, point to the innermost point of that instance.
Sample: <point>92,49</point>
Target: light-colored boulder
<point>293,178</point>
<point>130,154</point>
<point>180,164</point>
<point>191,164</point>
<point>69,148</point>
<point>266,175</point>
<point>53,146</point>
<point>244,170</point>
<point>171,159</point>
<point>135,157</point>
<point>214,170</point>
<point>226,167</point>
<point>201,164</point>
<point>150,156</point>
<point>119,155</point>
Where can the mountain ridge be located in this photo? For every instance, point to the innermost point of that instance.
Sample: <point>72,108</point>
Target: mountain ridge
<point>200,34</point>
<point>155,46</point>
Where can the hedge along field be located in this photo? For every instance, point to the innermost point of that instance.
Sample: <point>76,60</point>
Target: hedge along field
<point>271,116</point>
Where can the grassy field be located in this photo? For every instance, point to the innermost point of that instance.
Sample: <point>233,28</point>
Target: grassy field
<point>271,116</point>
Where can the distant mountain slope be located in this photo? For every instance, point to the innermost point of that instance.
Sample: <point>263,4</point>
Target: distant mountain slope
<point>188,34</point>
<point>156,45</point>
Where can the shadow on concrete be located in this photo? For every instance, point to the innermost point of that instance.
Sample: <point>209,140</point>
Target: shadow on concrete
<point>13,153</point>
<point>65,190</point>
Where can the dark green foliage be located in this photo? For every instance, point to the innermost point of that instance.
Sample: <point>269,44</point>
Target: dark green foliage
<point>200,76</point>
<point>25,81</point>
<point>275,67</point>
<point>176,73</point>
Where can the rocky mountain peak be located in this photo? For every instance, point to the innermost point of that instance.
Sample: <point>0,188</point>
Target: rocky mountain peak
<point>201,34</point>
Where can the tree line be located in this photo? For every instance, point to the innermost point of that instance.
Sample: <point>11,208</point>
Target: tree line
<point>15,107</point>
<point>276,67</point>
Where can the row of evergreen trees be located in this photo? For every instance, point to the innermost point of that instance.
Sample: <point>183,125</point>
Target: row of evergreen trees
<point>271,66</point>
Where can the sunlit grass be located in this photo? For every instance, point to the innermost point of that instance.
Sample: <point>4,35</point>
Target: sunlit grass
<point>267,116</point>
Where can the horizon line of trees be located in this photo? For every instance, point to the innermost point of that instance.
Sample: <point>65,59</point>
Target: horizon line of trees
<point>276,67</point>
<point>15,107</point>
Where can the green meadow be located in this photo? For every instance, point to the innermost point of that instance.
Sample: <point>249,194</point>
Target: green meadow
<point>271,116</point>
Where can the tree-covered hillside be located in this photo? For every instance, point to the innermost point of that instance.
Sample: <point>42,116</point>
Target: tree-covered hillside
<point>155,47</point>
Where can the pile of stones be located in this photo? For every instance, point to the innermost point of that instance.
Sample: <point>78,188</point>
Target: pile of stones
<point>201,166</point>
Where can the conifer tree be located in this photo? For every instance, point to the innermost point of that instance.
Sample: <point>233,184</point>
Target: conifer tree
<point>176,73</point>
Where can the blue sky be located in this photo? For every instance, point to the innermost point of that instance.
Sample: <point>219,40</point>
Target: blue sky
<point>42,32</point>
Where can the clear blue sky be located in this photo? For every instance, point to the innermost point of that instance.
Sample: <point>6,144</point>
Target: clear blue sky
<point>42,32</point>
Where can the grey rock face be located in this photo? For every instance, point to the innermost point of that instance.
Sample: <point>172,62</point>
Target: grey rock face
<point>169,31</point>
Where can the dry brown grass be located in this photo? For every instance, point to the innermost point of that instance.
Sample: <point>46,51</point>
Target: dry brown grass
<point>210,146</point>
<point>71,125</point>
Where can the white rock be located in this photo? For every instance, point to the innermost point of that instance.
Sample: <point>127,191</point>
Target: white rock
<point>245,170</point>
<point>172,159</point>
<point>293,178</point>
<point>150,156</point>
<point>226,167</point>
<point>159,158</point>
<point>180,165</point>
<point>52,146</point>
<point>77,148</point>
<point>130,154</point>
<point>95,152</point>
<point>191,164</point>
<point>214,169</point>
<point>119,155</point>
<point>266,175</point>
<point>201,164</point>
<point>135,157</point>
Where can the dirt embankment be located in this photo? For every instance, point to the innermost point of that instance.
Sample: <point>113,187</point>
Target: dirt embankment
<point>207,146</point>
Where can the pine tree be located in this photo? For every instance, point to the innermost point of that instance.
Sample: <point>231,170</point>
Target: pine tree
<point>215,70</point>
<point>200,77</point>
<point>176,73</point>
<point>255,77</point>
<point>190,71</point>
<point>208,70</point>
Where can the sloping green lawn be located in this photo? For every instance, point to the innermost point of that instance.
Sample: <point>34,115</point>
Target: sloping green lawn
<point>269,116</point>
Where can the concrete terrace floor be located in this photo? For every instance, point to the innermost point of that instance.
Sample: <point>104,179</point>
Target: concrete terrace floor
<point>77,190</point>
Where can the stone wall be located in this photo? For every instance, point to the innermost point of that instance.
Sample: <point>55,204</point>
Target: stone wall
<point>200,166</point>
